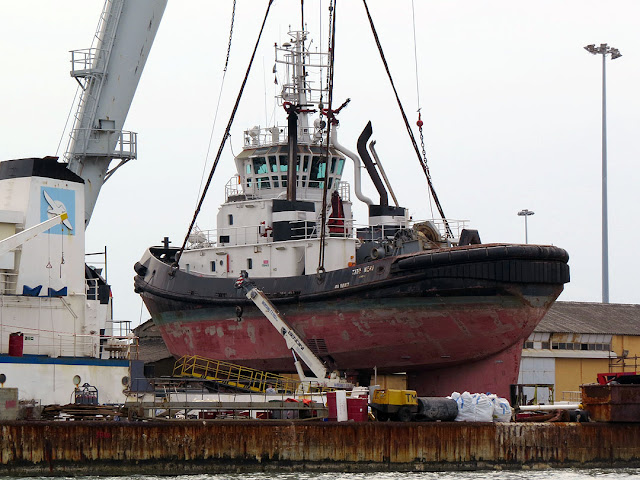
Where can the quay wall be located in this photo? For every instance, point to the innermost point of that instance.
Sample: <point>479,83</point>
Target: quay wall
<point>93,447</point>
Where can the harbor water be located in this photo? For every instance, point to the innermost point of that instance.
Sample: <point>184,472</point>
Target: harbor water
<point>556,474</point>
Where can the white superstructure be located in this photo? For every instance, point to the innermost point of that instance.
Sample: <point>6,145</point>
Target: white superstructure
<point>56,307</point>
<point>262,227</point>
<point>44,290</point>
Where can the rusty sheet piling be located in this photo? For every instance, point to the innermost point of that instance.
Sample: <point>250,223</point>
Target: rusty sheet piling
<point>82,447</point>
<point>612,403</point>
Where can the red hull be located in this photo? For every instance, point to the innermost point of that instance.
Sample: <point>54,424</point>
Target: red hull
<point>455,318</point>
<point>443,337</point>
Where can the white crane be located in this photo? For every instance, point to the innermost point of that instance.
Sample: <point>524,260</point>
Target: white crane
<point>14,241</point>
<point>108,74</point>
<point>297,346</point>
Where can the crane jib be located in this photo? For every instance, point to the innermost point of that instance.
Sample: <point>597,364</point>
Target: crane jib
<point>276,318</point>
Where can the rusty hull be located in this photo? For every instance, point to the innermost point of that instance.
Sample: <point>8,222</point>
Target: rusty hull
<point>612,403</point>
<point>64,448</point>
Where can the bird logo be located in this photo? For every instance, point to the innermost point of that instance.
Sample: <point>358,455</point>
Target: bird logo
<point>57,208</point>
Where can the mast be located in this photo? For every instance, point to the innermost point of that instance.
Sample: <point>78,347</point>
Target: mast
<point>292,174</point>
<point>108,74</point>
<point>295,101</point>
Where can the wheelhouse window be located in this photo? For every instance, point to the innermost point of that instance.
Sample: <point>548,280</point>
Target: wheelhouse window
<point>340,165</point>
<point>273,167</point>
<point>317,173</point>
<point>284,168</point>
<point>270,171</point>
<point>248,169</point>
<point>261,170</point>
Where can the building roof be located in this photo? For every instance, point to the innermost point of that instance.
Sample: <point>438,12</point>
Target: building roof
<point>586,317</point>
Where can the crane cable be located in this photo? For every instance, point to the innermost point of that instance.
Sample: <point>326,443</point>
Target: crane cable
<point>419,123</point>
<point>222,142</point>
<point>215,116</point>
<point>330,120</point>
<point>422,161</point>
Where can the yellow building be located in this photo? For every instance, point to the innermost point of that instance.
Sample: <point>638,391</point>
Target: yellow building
<point>575,342</point>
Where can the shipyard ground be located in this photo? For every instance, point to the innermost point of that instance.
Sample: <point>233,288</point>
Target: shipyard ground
<point>179,447</point>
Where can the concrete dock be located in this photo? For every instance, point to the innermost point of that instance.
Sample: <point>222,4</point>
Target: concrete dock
<point>90,447</point>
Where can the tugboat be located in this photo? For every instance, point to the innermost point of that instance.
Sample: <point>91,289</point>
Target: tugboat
<point>426,298</point>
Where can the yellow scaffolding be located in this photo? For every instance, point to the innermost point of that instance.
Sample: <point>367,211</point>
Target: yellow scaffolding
<point>232,375</point>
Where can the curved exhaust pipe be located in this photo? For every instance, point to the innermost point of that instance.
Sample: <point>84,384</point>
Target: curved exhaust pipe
<point>372,147</point>
<point>357,180</point>
<point>371,168</point>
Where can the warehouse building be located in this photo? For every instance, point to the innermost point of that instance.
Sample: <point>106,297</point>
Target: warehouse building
<point>575,342</point>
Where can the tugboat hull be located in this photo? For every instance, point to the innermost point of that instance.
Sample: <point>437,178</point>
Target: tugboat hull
<point>450,318</point>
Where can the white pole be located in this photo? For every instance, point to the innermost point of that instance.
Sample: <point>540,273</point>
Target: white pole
<point>605,226</point>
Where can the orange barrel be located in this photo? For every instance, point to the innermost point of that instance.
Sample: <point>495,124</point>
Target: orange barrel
<point>16,344</point>
<point>357,409</point>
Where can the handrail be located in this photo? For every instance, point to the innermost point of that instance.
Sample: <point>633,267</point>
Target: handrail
<point>126,143</point>
<point>8,283</point>
<point>85,60</point>
<point>266,136</point>
<point>233,375</point>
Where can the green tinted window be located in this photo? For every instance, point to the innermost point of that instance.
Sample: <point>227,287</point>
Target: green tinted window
<point>273,164</point>
<point>318,170</point>
<point>260,165</point>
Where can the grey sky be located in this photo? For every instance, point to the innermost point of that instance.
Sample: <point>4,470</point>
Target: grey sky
<point>510,100</point>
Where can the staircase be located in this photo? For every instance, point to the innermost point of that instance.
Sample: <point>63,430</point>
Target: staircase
<point>233,376</point>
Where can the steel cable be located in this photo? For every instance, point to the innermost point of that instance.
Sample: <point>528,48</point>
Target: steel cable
<point>423,163</point>
<point>224,137</point>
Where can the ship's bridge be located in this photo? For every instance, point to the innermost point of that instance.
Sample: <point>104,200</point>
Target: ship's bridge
<point>262,171</point>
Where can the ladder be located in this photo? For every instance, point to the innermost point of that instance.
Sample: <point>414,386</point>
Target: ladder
<point>91,65</point>
<point>232,375</point>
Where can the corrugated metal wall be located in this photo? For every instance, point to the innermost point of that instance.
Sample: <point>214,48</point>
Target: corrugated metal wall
<point>179,447</point>
<point>535,370</point>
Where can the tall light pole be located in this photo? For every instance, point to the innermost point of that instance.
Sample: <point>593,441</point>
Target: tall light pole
<point>604,50</point>
<point>525,213</point>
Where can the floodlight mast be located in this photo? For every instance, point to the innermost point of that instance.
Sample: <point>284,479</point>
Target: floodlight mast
<point>525,213</point>
<point>604,50</point>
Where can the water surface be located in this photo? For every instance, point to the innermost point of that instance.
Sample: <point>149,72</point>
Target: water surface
<point>569,474</point>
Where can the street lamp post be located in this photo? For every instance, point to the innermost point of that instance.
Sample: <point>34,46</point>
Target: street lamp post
<point>525,213</point>
<point>604,50</point>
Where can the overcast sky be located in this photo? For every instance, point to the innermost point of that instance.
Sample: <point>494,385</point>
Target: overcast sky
<point>510,99</point>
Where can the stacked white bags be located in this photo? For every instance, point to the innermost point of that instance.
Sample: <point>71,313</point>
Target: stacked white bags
<point>479,407</point>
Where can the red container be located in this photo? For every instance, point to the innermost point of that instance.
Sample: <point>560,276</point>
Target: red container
<point>207,415</point>
<point>357,409</point>
<point>331,405</point>
<point>16,344</point>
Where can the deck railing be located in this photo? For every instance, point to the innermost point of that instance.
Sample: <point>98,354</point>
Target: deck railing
<point>236,376</point>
